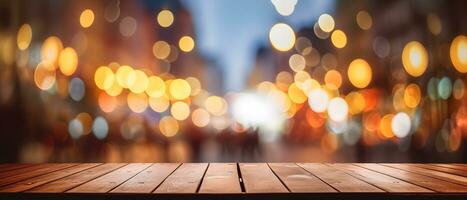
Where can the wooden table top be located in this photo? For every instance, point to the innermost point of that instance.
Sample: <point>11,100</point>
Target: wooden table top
<point>233,180</point>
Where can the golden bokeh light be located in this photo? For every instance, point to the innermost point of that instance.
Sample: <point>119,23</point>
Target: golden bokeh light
<point>283,80</point>
<point>326,23</point>
<point>412,95</point>
<point>282,37</point>
<point>156,87</point>
<point>458,53</point>
<point>68,61</point>
<point>51,49</point>
<point>385,126</point>
<point>168,126</point>
<point>106,102</point>
<point>186,44</point>
<point>104,77</point>
<point>141,82</point>
<point>200,117</point>
<point>159,104</point>
<point>86,18</point>
<point>161,50</point>
<point>125,76</point>
<point>179,89</point>
<point>356,102</point>
<point>114,90</point>
<point>195,85</point>
<point>364,20</point>
<point>216,105</point>
<point>43,76</point>
<point>333,79</point>
<point>338,39</point>
<point>296,95</point>
<point>309,85</point>
<point>24,36</point>
<point>359,73</point>
<point>165,18</point>
<point>180,110</point>
<point>300,78</point>
<point>297,62</point>
<point>137,102</point>
<point>414,58</point>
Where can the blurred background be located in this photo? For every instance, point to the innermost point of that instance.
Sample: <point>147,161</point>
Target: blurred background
<point>217,81</point>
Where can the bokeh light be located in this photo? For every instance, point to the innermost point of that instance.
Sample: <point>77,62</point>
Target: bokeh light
<point>401,125</point>
<point>338,39</point>
<point>100,128</point>
<point>318,100</point>
<point>125,76</point>
<point>180,110</point>
<point>338,109</point>
<point>186,43</point>
<point>458,53</point>
<point>155,87</point>
<point>168,126</point>
<point>179,89</point>
<point>51,49</point>
<point>159,104</point>
<point>200,117</point>
<point>216,105</point>
<point>359,73</point>
<point>86,18</point>
<point>282,37</point>
<point>161,49</point>
<point>412,95</point>
<point>24,36</point>
<point>165,18</point>
<point>68,61</point>
<point>414,58</point>
<point>364,20</point>
<point>104,77</point>
<point>140,84</point>
<point>137,102</point>
<point>326,23</point>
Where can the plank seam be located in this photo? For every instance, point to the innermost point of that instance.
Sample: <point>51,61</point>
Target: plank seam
<point>19,180</point>
<point>318,178</point>
<point>202,178</point>
<point>93,178</point>
<point>99,164</point>
<point>411,182</point>
<point>129,178</point>
<point>420,173</point>
<point>240,178</point>
<point>153,190</point>
<point>278,177</point>
<point>350,174</point>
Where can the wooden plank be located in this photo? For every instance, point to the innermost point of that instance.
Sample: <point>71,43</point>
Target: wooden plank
<point>258,178</point>
<point>64,184</point>
<point>417,179</point>
<point>185,179</point>
<point>339,180</point>
<point>221,178</point>
<point>147,180</point>
<point>432,173</point>
<point>442,169</point>
<point>452,166</point>
<point>32,172</point>
<point>40,180</point>
<point>299,180</point>
<point>382,181</point>
<point>9,167</point>
<point>23,170</point>
<point>111,180</point>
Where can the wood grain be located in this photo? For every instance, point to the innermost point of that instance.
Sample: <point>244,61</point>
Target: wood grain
<point>432,173</point>
<point>66,183</point>
<point>32,172</point>
<point>338,179</point>
<point>147,180</point>
<point>40,180</point>
<point>185,179</point>
<point>221,178</point>
<point>382,181</point>
<point>111,180</point>
<point>417,179</point>
<point>258,178</point>
<point>299,180</point>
